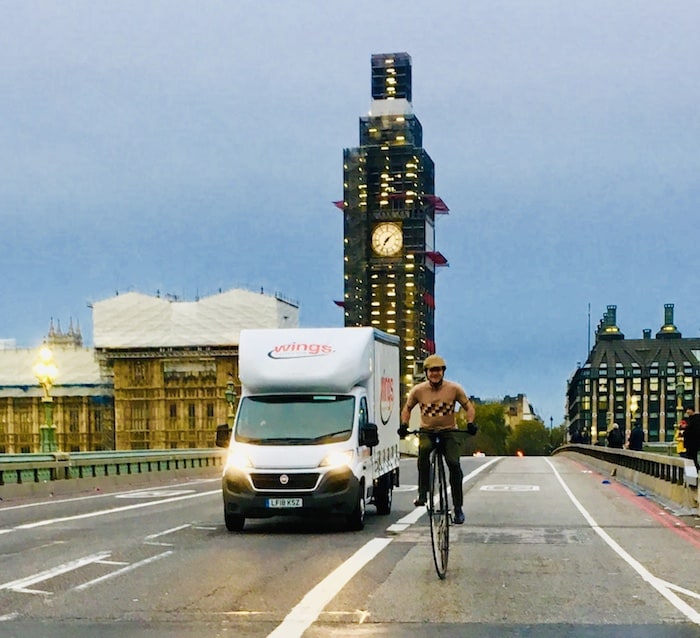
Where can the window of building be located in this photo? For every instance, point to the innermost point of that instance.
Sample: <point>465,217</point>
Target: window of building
<point>139,372</point>
<point>139,416</point>
<point>97,421</point>
<point>73,421</point>
<point>191,420</point>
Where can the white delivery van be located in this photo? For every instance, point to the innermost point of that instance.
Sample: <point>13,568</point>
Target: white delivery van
<point>316,426</point>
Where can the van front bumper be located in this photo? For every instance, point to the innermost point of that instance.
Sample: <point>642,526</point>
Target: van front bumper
<point>261,494</point>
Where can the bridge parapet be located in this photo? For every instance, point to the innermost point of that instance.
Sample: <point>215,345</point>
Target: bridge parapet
<point>668,477</point>
<point>32,474</point>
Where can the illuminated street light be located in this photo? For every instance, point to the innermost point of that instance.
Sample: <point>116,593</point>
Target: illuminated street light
<point>634,407</point>
<point>46,372</point>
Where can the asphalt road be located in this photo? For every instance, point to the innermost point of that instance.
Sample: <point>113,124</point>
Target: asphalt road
<point>550,549</point>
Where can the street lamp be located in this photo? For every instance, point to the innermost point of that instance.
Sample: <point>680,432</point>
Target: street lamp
<point>634,407</point>
<point>46,372</point>
<point>230,394</point>
<point>680,389</point>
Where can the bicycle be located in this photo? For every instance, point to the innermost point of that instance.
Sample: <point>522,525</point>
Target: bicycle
<point>438,506</point>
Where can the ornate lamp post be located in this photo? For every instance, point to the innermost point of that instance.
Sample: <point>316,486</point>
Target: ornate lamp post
<point>634,407</point>
<point>46,372</point>
<point>230,395</point>
<point>680,389</point>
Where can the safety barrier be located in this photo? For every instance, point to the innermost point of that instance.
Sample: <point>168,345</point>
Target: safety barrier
<point>668,477</point>
<point>25,470</point>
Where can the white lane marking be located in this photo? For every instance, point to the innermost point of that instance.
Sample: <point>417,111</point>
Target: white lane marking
<point>100,495</point>
<point>680,590</point>
<point>510,488</point>
<point>149,540</point>
<point>156,493</point>
<point>306,612</point>
<point>22,584</point>
<point>658,584</point>
<point>479,469</point>
<point>10,616</point>
<point>119,572</point>
<point>404,523</point>
<point>114,510</point>
<point>172,530</point>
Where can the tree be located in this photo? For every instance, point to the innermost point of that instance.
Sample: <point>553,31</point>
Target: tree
<point>529,437</point>
<point>557,436</point>
<point>491,437</point>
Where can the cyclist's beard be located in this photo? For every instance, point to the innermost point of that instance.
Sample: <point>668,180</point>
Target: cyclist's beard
<point>436,386</point>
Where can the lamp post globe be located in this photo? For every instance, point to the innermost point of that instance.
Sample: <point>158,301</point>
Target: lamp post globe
<point>46,372</point>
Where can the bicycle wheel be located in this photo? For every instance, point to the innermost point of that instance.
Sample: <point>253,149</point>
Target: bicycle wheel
<point>439,513</point>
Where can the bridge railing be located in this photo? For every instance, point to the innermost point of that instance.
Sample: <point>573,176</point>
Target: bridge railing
<point>670,477</point>
<point>23,469</point>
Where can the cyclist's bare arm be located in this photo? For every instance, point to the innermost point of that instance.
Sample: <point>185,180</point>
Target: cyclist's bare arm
<point>406,412</point>
<point>468,406</point>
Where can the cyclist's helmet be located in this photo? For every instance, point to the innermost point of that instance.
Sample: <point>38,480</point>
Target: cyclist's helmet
<point>434,361</point>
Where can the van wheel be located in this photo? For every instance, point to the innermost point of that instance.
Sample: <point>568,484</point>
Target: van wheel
<point>383,495</point>
<point>234,522</point>
<point>356,520</point>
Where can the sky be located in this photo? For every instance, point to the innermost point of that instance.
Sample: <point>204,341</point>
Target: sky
<point>190,146</point>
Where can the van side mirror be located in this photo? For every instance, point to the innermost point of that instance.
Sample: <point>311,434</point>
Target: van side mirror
<point>369,435</point>
<point>223,435</point>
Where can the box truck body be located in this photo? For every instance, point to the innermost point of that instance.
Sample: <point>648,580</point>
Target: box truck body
<point>316,425</point>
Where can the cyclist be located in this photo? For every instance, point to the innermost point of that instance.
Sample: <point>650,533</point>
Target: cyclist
<point>437,398</point>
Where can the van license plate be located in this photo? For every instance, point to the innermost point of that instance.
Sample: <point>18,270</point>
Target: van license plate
<point>284,502</point>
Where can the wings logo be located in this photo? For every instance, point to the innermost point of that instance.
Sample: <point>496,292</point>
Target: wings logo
<point>299,350</point>
<point>386,399</point>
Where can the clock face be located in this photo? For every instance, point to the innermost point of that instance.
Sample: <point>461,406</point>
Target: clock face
<point>387,239</point>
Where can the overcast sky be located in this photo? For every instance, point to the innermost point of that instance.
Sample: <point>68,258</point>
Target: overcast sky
<point>191,146</point>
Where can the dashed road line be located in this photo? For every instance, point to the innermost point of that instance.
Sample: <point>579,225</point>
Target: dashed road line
<point>119,572</point>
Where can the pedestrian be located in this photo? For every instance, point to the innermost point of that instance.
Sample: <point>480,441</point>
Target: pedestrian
<point>691,436</point>
<point>636,440</point>
<point>678,437</point>
<point>615,437</point>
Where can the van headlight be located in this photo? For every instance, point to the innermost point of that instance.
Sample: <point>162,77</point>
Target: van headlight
<point>237,461</point>
<point>338,459</point>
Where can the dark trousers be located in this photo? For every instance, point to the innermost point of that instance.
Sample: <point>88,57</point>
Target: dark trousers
<point>451,449</point>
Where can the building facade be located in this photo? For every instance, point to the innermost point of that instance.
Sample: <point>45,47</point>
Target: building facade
<point>389,211</point>
<point>518,408</point>
<point>82,398</point>
<point>650,380</point>
<point>157,377</point>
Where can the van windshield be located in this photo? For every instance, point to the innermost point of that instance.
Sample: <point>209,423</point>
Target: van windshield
<point>294,419</point>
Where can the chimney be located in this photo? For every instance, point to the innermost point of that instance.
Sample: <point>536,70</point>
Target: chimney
<point>668,330</point>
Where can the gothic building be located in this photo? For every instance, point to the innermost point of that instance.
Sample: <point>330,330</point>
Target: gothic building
<point>156,378</point>
<point>650,380</point>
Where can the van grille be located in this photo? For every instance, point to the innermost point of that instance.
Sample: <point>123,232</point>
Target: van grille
<point>303,481</point>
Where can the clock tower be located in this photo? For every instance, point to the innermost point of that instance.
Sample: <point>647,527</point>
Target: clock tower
<point>389,209</point>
